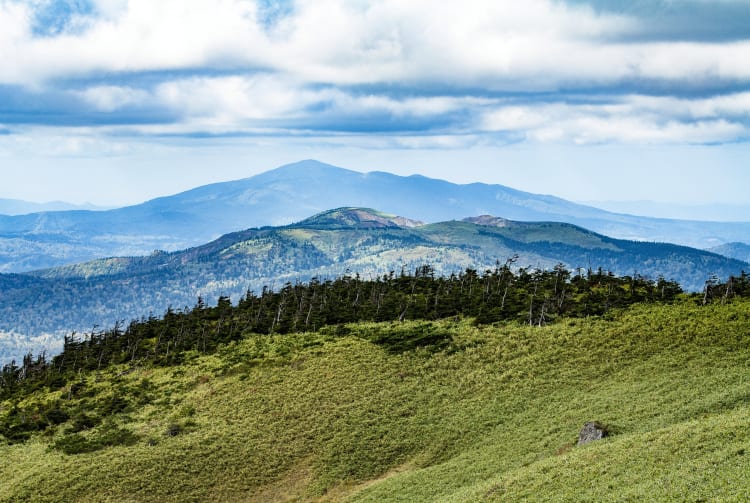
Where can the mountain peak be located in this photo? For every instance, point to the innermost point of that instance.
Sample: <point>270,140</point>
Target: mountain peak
<point>306,167</point>
<point>358,218</point>
<point>488,220</point>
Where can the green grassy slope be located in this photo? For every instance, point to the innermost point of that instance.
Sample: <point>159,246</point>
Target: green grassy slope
<point>491,417</point>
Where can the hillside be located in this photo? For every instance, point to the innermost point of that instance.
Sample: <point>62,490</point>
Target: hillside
<point>338,416</point>
<point>293,192</point>
<point>365,242</point>
<point>739,251</point>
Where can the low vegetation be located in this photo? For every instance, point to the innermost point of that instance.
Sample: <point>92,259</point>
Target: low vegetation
<point>402,409</point>
<point>535,297</point>
<point>326,246</point>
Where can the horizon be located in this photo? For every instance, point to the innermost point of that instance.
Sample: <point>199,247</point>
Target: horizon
<point>116,102</point>
<point>701,211</point>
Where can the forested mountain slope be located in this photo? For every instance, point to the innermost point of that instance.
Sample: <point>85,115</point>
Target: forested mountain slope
<point>295,191</point>
<point>347,240</point>
<point>739,251</point>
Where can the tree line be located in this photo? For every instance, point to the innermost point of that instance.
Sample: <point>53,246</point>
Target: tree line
<point>535,297</point>
<point>532,296</point>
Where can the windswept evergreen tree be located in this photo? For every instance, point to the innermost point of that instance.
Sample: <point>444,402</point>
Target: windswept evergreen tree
<point>531,296</point>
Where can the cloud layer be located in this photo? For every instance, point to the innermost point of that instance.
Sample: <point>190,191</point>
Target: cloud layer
<point>412,73</point>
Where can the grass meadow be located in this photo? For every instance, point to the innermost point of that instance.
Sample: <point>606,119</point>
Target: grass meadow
<point>490,414</point>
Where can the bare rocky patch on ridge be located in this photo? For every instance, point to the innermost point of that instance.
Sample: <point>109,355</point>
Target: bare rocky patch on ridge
<point>360,218</point>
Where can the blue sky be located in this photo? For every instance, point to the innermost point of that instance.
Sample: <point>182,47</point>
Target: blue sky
<point>117,101</point>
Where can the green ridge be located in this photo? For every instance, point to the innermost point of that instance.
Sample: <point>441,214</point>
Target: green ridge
<point>491,416</point>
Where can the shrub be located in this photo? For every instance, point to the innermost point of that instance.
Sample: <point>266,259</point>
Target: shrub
<point>109,435</point>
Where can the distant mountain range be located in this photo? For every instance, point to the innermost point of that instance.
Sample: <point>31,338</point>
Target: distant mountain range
<point>289,194</point>
<point>693,211</point>
<point>18,207</point>
<point>739,251</point>
<point>330,244</point>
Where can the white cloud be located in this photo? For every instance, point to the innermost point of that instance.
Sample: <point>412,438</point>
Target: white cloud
<point>735,105</point>
<point>499,45</point>
<point>347,104</point>
<point>587,130</point>
<point>513,118</point>
<point>111,98</point>
<point>630,119</point>
<point>474,42</point>
<point>229,100</point>
<point>333,62</point>
<point>65,142</point>
<point>169,34</point>
<point>233,102</point>
<point>672,60</point>
<point>15,26</point>
<point>110,9</point>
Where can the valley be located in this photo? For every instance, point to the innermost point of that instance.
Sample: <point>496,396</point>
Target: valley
<point>98,294</point>
<point>296,191</point>
<point>519,272</point>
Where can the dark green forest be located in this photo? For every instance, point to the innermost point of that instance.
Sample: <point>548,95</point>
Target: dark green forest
<point>326,246</point>
<point>526,296</point>
<point>231,402</point>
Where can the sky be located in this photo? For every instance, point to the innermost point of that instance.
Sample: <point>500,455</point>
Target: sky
<point>114,102</point>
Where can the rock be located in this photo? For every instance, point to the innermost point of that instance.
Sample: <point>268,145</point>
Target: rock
<point>592,431</point>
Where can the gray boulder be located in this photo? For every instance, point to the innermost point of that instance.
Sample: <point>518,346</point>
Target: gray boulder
<point>592,431</point>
